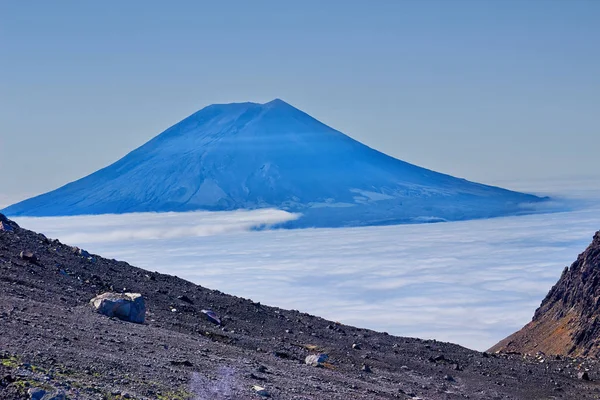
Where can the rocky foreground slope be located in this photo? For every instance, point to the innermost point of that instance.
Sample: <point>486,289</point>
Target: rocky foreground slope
<point>568,320</point>
<point>52,342</point>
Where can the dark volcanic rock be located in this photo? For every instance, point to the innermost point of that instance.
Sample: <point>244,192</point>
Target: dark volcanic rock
<point>28,256</point>
<point>50,338</point>
<point>583,375</point>
<point>6,224</point>
<point>568,320</point>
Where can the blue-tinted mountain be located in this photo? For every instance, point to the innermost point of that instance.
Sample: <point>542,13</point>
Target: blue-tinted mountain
<point>249,156</point>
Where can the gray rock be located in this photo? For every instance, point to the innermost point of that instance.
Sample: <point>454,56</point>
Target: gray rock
<point>185,299</point>
<point>83,253</point>
<point>262,369</point>
<point>583,376</point>
<point>7,222</point>
<point>261,391</point>
<point>54,396</point>
<point>80,252</point>
<point>36,393</point>
<point>316,360</point>
<point>185,363</point>
<point>212,316</point>
<point>4,226</point>
<point>28,256</point>
<point>129,307</point>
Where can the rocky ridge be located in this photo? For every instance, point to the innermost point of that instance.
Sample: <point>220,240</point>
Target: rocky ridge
<point>568,320</point>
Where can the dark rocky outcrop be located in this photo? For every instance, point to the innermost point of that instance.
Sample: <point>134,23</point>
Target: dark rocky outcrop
<point>6,224</point>
<point>568,320</point>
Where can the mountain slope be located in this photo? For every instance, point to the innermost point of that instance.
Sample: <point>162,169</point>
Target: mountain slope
<point>568,320</point>
<point>250,155</point>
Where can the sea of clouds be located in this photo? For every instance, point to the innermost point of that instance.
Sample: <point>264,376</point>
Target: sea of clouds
<point>470,283</point>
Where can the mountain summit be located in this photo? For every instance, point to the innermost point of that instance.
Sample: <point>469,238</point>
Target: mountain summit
<point>249,155</point>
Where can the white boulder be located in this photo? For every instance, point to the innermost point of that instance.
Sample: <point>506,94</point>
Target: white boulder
<point>129,307</point>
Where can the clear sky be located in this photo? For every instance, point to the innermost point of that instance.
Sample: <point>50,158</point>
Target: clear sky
<point>485,90</point>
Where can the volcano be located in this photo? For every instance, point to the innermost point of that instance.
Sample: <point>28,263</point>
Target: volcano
<point>272,155</point>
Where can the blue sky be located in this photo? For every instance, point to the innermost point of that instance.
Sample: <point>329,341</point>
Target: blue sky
<point>486,90</point>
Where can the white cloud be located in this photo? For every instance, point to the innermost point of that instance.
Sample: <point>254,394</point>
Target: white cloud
<point>148,226</point>
<point>471,282</point>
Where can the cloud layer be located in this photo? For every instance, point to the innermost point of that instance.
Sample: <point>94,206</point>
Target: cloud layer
<point>155,226</point>
<point>471,282</point>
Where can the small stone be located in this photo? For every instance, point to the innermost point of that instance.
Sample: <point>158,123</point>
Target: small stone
<point>36,393</point>
<point>56,396</point>
<point>437,358</point>
<point>262,369</point>
<point>281,354</point>
<point>256,377</point>
<point>212,316</point>
<point>185,363</point>
<point>583,376</point>
<point>356,346</point>
<point>83,253</point>
<point>316,360</point>
<point>185,299</point>
<point>28,255</point>
<point>261,391</point>
<point>366,368</point>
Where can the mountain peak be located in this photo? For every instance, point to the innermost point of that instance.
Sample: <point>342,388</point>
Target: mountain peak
<point>272,103</point>
<point>243,107</point>
<point>272,155</point>
<point>277,102</point>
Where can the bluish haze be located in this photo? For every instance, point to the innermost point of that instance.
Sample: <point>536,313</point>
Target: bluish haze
<point>485,90</point>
